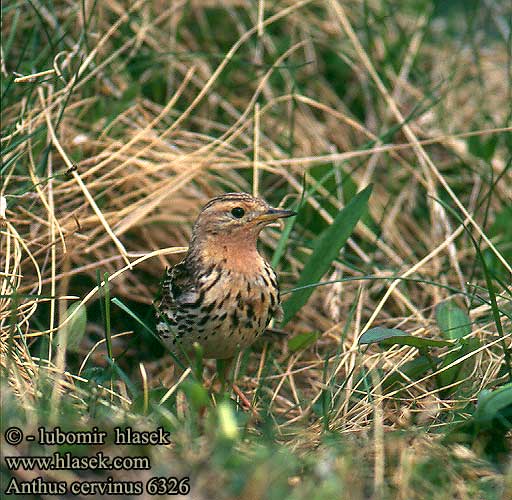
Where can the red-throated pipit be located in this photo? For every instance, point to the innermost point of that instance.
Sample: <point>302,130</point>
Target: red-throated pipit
<point>224,293</point>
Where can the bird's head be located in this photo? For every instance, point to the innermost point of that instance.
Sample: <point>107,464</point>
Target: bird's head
<point>234,220</point>
<point>237,214</point>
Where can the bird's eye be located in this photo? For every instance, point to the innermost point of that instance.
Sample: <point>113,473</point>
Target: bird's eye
<point>238,212</point>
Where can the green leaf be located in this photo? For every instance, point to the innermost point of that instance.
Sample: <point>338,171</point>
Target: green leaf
<point>302,341</point>
<point>391,336</point>
<point>493,404</point>
<point>482,147</point>
<point>452,321</point>
<point>454,373</point>
<point>325,250</point>
<point>412,370</point>
<point>74,330</point>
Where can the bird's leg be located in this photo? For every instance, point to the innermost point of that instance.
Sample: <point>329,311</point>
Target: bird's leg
<point>223,367</point>
<point>245,402</point>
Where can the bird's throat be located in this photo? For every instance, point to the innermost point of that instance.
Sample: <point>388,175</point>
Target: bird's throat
<point>232,252</point>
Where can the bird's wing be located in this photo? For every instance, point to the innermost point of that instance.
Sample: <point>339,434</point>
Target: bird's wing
<point>176,287</point>
<point>278,313</point>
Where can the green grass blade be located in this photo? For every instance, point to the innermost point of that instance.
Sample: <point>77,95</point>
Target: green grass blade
<point>128,311</point>
<point>326,250</point>
<point>108,332</point>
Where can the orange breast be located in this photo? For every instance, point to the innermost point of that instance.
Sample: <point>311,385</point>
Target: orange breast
<point>234,254</point>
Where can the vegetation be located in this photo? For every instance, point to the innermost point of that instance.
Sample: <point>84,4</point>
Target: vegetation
<point>391,376</point>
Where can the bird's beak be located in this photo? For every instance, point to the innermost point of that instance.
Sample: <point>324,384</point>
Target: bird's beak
<point>274,213</point>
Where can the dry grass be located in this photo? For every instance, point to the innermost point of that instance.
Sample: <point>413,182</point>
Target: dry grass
<point>103,173</point>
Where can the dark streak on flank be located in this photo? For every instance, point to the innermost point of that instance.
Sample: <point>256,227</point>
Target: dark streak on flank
<point>267,284</point>
<point>235,320</point>
<point>208,271</point>
<point>208,308</point>
<point>210,285</point>
<point>250,311</point>
<point>239,300</point>
<point>220,306</point>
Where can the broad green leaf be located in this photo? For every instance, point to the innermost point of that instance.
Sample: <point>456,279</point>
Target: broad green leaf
<point>452,321</point>
<point>74,330</point>
<point>391,336</point>
<point>302,341</point>
<point>493,403</point>
<point>483,147</point>
<point>325,250</point>
<point>449,376</point>
<point>412,370</point>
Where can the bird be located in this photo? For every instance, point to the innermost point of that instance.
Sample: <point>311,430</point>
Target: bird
<point>224,293</point>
